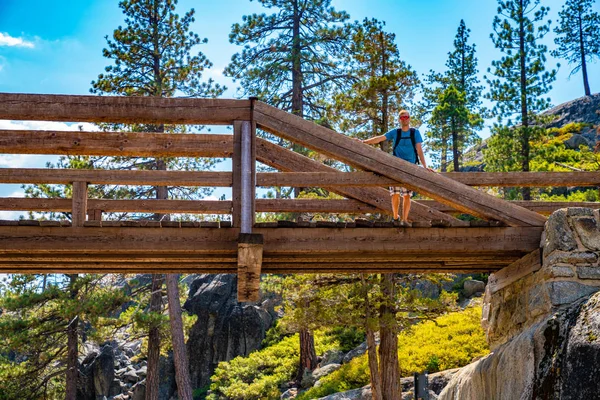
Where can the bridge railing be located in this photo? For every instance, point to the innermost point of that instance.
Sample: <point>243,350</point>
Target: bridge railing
<point>363,188</point>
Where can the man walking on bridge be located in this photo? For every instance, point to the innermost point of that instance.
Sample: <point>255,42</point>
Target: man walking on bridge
<point>406,142</point>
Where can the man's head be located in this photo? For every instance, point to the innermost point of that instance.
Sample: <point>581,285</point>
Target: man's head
<point>404,118</point>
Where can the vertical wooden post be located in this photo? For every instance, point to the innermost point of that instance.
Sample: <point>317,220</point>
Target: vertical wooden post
<point>94,215</point>
<point>250,254</point>
<point>244,175</point>
<point>79,208</point>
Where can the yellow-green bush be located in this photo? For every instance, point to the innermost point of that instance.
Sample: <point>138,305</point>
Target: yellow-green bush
<point>260,375</point>
<point>452,341</point>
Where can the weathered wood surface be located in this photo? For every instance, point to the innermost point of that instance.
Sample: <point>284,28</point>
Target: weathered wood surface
<point>122,109</point>
<point>442,189</point>
<point>249,262</point>
<point>126,144</point>
<point>286,160</point>
<point>526,179</point>
<point>524,266</point>
<point>267,179</point>
<point>24,248</point>
<point>115,177</point>
<point>541,207</point>
<point>79,204</point>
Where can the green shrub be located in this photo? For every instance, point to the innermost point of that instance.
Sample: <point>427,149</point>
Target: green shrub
<point>450,341</point>
<point>260,374</point>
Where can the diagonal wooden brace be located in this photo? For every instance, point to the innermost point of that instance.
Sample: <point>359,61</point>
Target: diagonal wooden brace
<point>250,255</point>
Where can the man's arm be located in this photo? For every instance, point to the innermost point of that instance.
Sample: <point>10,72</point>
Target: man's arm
<point>374,139</point>
<point>422,156</point>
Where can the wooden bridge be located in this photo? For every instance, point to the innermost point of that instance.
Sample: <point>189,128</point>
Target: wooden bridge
<point>438,242</point>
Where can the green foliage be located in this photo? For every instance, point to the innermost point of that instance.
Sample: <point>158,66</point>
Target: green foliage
<point>33,327</point>
<point>292,58</point>
<point>578,35</point>
<point>260,374</point>
<point>452,101</point>
<point>450,341</point>
<point>384,84</point>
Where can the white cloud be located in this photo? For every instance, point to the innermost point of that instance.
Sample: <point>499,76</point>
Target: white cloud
<point>7,40</point>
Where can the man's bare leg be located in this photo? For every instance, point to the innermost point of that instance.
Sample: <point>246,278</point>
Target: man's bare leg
<point>395,205</point>
<point>405,207</point>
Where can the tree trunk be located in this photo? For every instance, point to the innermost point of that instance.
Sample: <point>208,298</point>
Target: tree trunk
<point>72,350</point>
<point>182,373</point>
<point>455,154</point>
<point>308,355</point>
<point>586,84</point>
<point>524,106</point>
<point>388,347</point>
<point>297,104</point>
<point>374,376</point>
<point>153,378</point>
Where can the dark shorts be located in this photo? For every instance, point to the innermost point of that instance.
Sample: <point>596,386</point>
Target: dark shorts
<point>400,190</point>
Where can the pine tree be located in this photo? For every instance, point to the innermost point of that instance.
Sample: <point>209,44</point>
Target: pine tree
<point>291,58</point>
<point>521,77</point>
<point>453,116</point>
<point>153,57</point>
<point>578,36</point>
<point>40,329</point>
<point>384,83</point>
<point>462,74</point>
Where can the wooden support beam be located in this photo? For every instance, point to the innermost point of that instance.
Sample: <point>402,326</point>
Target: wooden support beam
<point>286,250</point>
<point>250,256</point>
<point>444,190</point>
<point>287,160</point>
<point>123,109</point>
<point>540,207</point>
<point>247,177</point>
<point>236,168</point>
<point>526,265</point>
<point>115,177</point>
<point>123,144</point>
<point>526,179</point>
<point>79,201</point>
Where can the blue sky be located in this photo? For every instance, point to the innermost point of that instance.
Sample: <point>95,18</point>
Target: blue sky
<point>56,46</point>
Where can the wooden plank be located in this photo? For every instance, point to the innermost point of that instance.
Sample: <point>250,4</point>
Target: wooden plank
<point>247,168</point>
<point>125,144</point>
<point>286,160</point>
<point>323,179</point>
<point>249,262</point>
<point>278,242</point>
<point>442,189</point>
<point>79,201</point>
<point>526,179</point>
<point>122,109</point>
<point>540,207</point>
<point>317,206</point>
<point>115,177</point>
<point>527,265</point>
<point>236,168</point>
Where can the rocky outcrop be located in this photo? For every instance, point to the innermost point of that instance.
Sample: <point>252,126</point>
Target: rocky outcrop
<point>544,328</point>
<point>583,109</point>
<point>558,358</point>
<point>225,328</point>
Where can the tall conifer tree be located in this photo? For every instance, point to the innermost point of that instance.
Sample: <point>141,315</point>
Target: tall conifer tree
<point>291,58</point>
<point>521,76</point>
<point>578,37</point>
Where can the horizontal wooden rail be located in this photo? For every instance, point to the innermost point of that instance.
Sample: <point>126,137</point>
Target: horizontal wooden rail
<point>540,207</point>
<point>287,179</point>
<point>128,109</point>
<point>187,206</point>
<point>121,144</point>
<point>262,205</point>
<point>526,179</point>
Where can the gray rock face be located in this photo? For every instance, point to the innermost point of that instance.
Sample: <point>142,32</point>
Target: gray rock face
<point>473,286</point>
<point>332,357</point>
<point>582,109</point>
<point>104,371</point>
<point>224,329</point>
<point>357,351</point>
<point>363,393</point>
<point>558,358</point>
<point>325,370</point>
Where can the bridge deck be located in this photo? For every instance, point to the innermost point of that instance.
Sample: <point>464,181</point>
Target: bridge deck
<point>128,247</point>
